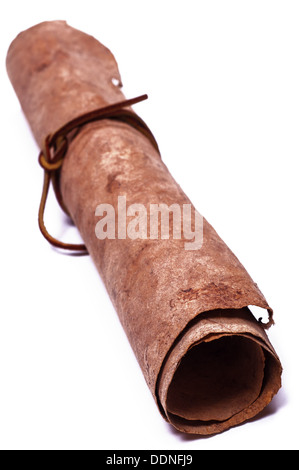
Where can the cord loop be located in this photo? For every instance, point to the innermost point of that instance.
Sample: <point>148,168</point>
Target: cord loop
<point>55,147</point>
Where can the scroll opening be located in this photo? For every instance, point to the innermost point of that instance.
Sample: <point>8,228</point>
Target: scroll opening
<point>217,379</point>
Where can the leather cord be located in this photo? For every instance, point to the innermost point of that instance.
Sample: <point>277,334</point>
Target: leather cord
<point>55,147</point>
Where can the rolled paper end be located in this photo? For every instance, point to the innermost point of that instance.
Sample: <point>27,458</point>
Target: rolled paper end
<point>220,372</point>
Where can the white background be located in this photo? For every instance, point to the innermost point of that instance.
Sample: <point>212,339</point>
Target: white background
<point>223,85</point>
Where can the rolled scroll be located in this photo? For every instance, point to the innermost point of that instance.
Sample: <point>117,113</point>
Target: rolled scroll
<point>185,309</point>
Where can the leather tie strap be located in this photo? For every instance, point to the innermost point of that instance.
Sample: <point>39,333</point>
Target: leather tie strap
<point>55,147</point>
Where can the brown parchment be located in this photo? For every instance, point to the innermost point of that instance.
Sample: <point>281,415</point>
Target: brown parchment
<point>207,361</point>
